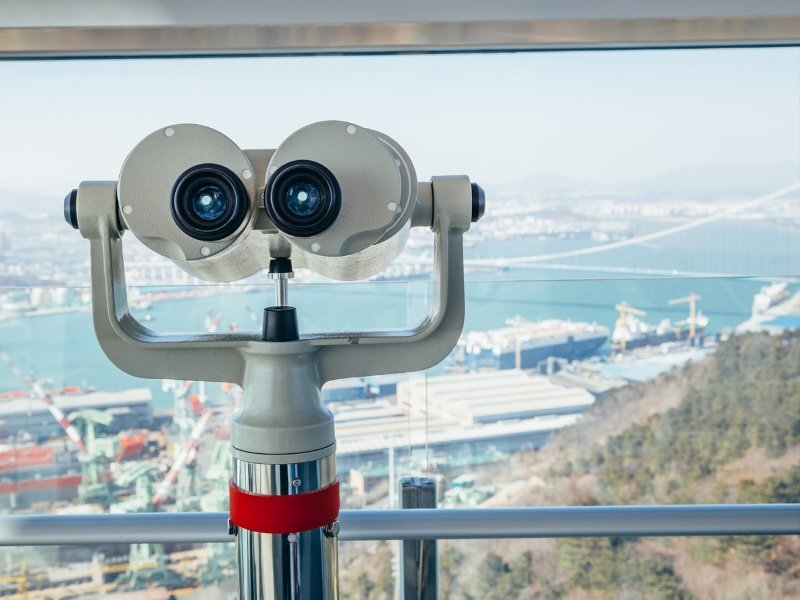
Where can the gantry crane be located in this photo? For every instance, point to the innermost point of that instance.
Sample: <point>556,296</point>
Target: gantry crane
<point>691,300</point>
<point>96,452</point>
<point>187,431</point>
<point>99,453</point>
<point>184,457</point>
<point>147,563</point>
<point>624,310</point>
<point>38,392</point>
<point>221,559</point>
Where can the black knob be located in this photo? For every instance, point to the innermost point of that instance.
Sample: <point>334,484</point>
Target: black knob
<point>71,208</point>
<point>280,265</point>
<point>478,202</point>
<point>280,324</point>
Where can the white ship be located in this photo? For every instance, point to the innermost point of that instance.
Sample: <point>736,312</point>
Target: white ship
<point>769,296</point>
<point>524,344</point>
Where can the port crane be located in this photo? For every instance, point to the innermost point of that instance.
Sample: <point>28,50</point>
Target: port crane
<point>221,562</point>
<point>39,393</point>
<point>624,310</point>
<point>691,300</point>
<point>99,451</point>
<point>187,430</point>
<point>147,564</point>
<point>184,457</point>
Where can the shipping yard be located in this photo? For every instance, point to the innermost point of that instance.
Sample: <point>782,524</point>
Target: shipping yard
<point>77,450</point>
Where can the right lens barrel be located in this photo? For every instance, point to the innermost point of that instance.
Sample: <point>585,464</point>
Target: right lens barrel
<point>302,198</point>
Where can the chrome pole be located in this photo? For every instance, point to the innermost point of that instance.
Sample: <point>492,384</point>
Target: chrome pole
<point>295,566</point>
<point>281,291</point>
<point>280,272</point>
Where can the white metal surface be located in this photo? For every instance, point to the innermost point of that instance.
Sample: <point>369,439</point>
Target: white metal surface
<point>199,13</point>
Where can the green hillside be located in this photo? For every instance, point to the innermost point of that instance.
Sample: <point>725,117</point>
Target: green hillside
<point>725,429</point>
<point>746,396</point>
<point>739,411</point>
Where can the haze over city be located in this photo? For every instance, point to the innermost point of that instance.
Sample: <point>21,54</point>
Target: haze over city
<point>631,116</point>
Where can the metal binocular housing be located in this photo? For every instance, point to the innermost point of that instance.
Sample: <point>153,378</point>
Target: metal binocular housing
<point>333,197</point>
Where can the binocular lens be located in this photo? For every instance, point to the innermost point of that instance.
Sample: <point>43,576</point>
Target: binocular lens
<point>302,198</point>
<point>209,202</point>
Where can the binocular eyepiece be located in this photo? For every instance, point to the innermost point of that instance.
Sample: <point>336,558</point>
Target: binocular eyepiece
<point>302,198</point>
<point>334,197</point>
<point>209,202</point>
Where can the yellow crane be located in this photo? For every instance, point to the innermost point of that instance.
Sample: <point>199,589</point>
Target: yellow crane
<point>691,299</point>
<point>624,310</point>
<point>22,580</point>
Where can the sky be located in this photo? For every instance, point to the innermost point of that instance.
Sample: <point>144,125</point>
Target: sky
<point>597,116</point>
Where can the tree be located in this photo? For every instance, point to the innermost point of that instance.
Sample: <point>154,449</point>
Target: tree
<point>450,561</point>
<point>363,586</point>
<point>490,572</point>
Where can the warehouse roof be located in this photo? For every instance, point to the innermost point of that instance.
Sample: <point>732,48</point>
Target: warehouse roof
<point>72,402</point>
<point>492,396</point>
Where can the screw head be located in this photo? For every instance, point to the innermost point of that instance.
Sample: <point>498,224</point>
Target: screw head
<point>331,530</point>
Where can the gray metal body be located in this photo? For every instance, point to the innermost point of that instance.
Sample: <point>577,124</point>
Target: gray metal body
<point>282,420</point>
<point>449,524</point>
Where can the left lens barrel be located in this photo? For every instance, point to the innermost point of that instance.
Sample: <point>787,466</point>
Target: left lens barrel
<point>209,202</point>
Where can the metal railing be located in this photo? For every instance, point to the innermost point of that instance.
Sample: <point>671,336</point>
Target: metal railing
<point>548,522</point>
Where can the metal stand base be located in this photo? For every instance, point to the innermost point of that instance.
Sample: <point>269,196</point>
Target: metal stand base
<point>295,566</point>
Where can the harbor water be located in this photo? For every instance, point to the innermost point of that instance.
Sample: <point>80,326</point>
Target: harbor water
<point>726,266</point>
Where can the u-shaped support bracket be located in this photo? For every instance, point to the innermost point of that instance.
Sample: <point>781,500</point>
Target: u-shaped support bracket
<point>142,352</point>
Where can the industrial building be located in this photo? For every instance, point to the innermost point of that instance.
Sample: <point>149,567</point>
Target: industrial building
<point>490,397</point>
<point>130,408</point>
<point>462,414</point>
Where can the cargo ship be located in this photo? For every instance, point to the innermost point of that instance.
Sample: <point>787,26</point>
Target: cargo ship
<point>631,332</point>
<point>525,344</point>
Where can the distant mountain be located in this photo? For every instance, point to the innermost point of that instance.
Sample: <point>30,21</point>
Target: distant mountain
<point>711,181</point>
<point>544,182</point>
<point>26,203</point>
<point>720,180</point>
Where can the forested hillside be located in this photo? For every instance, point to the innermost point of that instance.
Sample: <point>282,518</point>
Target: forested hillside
<point>726,429</point>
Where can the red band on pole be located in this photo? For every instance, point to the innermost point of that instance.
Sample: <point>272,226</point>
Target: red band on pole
<point>266,513</point>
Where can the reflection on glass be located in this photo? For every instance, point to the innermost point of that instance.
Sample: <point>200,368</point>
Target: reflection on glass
<point>633,303</point>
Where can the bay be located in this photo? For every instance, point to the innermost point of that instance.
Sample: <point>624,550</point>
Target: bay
<point>61,349</point>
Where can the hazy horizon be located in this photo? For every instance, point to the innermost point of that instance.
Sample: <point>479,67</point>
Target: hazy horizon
<point>601,117</point>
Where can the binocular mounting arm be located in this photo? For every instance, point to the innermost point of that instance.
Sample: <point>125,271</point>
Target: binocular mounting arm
<point>130,345</point>
<point>142,352</point>
<point>427,344</point>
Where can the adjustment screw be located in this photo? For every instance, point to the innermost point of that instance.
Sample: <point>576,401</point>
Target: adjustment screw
<point>331,530</point>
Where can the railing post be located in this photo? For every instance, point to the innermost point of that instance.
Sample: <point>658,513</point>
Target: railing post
<point>419,567</point>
